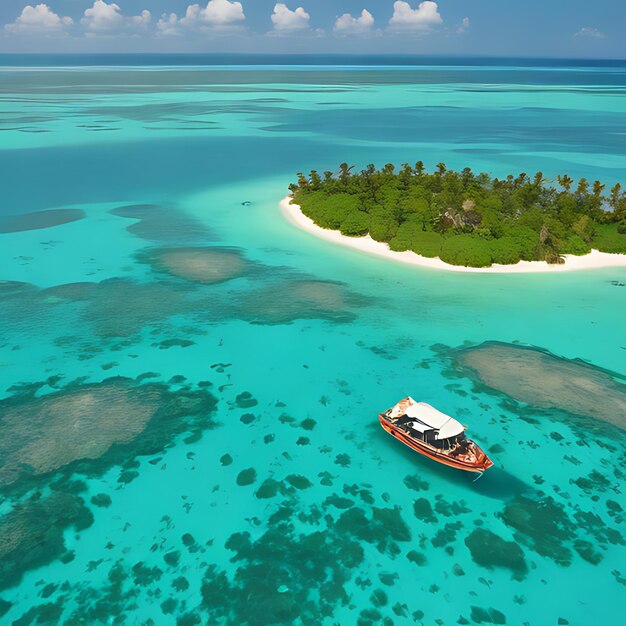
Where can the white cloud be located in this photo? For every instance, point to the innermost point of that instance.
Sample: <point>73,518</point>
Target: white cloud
<point>592,33</point>
<point>223,12</point>
<point>218,14</point>
<point>103,18</point>
<point>40,20</point>
<point>421,19</point>
<point>168,25</point>
<point>465,24</point>
<point>286,20</point>
<point>348,25</point>
<point>143,19</point>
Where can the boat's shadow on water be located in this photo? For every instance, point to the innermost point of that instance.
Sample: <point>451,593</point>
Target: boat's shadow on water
<point>496,482</point>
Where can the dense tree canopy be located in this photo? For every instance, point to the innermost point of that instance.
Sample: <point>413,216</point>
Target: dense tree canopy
<point>466,218</point>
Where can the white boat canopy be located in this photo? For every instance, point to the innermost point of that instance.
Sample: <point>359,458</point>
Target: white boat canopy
<point>427,417</point>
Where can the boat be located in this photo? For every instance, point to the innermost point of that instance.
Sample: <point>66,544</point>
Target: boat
<point>435,435</point>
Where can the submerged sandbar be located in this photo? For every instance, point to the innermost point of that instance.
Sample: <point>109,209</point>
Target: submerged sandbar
<point>541,379</point>
<point>38,220</point>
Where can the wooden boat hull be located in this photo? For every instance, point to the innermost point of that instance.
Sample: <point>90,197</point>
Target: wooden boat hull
<point>482,463</point>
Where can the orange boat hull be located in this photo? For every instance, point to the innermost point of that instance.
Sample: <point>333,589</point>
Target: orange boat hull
<point>482,462</point>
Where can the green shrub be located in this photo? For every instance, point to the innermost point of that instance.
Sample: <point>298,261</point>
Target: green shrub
<point>327,211</point>
<point>356,224</point>
<point>466,250</point>
<point>608,239</point>
<point>383,228</point>
<point>407,233</point>
<point>427,243</point>
<point>584,228</point>
<point>574,245</point>
<point>504,251</point>
<point>526,241</point>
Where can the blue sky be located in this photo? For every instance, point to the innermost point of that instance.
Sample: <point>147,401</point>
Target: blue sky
<point>557,28</point>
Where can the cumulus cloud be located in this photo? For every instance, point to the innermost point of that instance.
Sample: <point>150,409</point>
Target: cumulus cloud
<point>103,18</point>
<point>168,25</point>
<point>348,25</point>
<point>218,14</point>
<point>591,33</point>
<point>39,20</point>
<point>421,19</point>
<point>286,20</point>
<point>223,12</point>
<point>465,24</point>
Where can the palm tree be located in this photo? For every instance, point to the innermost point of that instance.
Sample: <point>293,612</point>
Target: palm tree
<point>441,168</point>
<point>565,181</point>
<point>539,179</point>
<point>419,168</point>
<point>316,179</point>
<point>615,195</point>
<point>368,177</point>
<point>344,172</point>
<point>583,187</point>
<point>303,181</point>
<point>521,179</point>
<point>405,175</point>
<point>598,188</point>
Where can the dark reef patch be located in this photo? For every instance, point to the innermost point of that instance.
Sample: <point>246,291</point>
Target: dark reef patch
<point>164,224</point>
<point>385,527</point>
<point>245,400</point>
<point>284,302</point>
<point>38,220</point>
<point>246,477</point>
<point>120,307</point>
<point>490,550</point>
<point>424,511</point>
<point>31,534</point>
<point>281,577</point>
<point>487,616</point>
<point>543,525</point>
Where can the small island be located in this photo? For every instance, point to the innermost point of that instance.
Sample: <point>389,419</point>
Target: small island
<point>466,219</point>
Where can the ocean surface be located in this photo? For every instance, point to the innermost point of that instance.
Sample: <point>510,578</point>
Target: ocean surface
<point>190,385</point>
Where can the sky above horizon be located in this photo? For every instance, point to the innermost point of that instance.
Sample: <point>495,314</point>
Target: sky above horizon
<point>553,28</point>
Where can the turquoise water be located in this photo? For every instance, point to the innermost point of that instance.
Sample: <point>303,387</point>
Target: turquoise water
<point>322,338</point>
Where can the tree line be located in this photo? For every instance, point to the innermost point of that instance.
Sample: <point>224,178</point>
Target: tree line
<point>467,218</point>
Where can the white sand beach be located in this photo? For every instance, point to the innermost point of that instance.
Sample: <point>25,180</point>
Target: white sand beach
<point>593,260</point>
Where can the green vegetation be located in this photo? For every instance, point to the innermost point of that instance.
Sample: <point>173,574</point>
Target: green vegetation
<point>466,218</point>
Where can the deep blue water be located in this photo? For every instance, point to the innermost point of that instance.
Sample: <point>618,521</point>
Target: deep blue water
<point>335,60</point>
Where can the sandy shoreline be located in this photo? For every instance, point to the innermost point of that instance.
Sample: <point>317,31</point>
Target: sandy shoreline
<point>593,260</point>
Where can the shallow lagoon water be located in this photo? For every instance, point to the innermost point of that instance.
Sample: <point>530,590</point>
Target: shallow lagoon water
<point>299,345</point>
